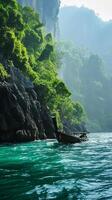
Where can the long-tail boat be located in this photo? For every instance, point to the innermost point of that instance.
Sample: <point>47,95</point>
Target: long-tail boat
<point>69,138</point>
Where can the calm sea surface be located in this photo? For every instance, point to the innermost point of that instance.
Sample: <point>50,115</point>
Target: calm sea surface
<point>47,170</point>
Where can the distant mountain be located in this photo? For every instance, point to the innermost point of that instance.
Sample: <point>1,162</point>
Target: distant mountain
<point>48,11</point>
<point>87,63</point>
<point>84,76</point>
<point>85,29</point>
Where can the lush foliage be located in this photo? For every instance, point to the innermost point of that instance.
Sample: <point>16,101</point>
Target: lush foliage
<point>23,42</point>
<point>3,72</point>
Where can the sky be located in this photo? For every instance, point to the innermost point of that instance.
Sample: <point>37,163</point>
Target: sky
<point>103,8</point>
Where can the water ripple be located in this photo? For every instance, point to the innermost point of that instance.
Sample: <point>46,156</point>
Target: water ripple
<point>47,170</point>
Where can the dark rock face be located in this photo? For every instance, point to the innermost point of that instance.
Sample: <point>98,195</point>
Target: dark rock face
<point>22,117</point>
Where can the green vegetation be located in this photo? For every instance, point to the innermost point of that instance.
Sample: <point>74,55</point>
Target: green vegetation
<point>3,72</point>
<point>24,43</point>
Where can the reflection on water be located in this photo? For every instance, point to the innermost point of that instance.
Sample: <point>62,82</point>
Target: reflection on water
<point>47,170</point>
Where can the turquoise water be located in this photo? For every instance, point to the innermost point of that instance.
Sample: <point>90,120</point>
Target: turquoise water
<point>47,170</point>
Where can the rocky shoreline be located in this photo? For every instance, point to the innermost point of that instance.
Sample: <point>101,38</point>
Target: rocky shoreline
<point>22,116</point>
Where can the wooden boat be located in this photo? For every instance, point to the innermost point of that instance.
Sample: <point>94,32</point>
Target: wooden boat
<point>69,138</point>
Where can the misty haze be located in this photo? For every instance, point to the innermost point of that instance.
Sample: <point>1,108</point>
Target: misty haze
<point>55,99</point>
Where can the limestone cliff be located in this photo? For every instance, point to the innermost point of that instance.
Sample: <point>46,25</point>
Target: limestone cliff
<point>22,116</point>
<point>48,10</point>
<point>30,90</point>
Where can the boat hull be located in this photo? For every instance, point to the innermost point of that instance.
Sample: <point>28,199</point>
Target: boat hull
<point>70,139</point>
